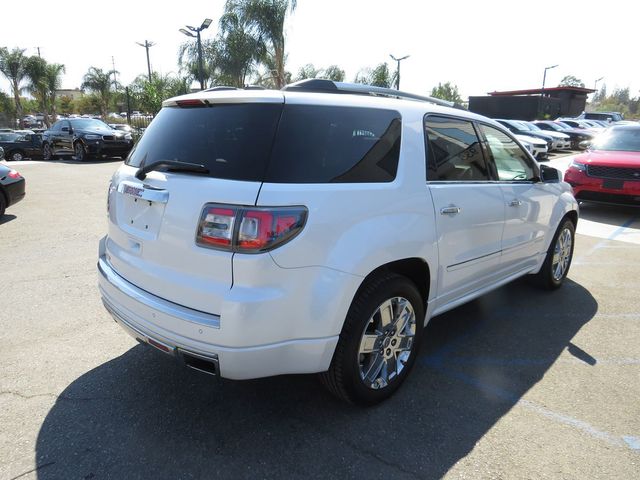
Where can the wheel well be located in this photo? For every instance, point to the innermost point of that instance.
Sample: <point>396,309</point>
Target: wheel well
<point>573,216</point>
<point>415,269</point>
<point>16,150</point>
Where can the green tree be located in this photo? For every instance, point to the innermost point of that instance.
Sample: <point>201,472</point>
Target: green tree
<point>188,60</point>
<point>447,91</point>
<point>237,51</point>
<point>66,105</point>
<point>89,104</point>
<point>53,81</point>
<point>102,84</point>
<point>36,69</point>
<point>380,76</point>
<point>264,19</point>
<point>12,66</point>
<point>149,95</point>
<point>308,71</point>
<point>571,81</point>
<point>333,72</point>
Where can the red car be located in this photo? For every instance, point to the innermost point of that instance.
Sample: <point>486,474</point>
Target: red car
<point>609,171</point>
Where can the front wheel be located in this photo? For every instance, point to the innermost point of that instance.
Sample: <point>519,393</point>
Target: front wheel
<point>80,152</point>
<point>558,260</point>
<point>379,342</point>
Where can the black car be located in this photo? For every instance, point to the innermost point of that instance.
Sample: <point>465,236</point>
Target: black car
<point>18,145</point>
<point>577,135</point>
<point>84,138</point>
<point>11,187</point>
<point>515,127</point>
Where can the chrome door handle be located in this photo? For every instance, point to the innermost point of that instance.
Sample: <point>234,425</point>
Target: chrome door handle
<point>515,203</point>
<point>451,210</point>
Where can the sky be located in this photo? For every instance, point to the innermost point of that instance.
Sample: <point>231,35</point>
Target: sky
<point>480,46</point>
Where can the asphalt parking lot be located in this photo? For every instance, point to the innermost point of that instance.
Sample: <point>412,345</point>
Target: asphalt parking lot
<point>520,383</point>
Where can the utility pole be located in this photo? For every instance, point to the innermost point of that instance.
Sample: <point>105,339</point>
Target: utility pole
<point>147,45</point>
<point>39,52</point>
<point>115,75</point>
<point>398,60</point>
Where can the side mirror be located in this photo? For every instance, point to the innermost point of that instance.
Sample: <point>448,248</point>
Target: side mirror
<point>584,144</point>
<point>549,174</point>
<point>1,153</point>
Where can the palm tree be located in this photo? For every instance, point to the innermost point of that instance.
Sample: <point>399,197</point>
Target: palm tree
<point>237,51</point>
<point>53,80</point>
<point>100,82</point>
<point>265,20</point>
<point>12,66</point>
<point>188,60</point>
<point>36,71</point>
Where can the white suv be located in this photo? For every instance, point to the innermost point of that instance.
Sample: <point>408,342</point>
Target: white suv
<point>319,228</point>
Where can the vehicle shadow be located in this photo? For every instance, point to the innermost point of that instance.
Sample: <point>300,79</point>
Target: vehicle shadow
<point>92,161</point>
<point>6,218</point>
<point>142,416</point>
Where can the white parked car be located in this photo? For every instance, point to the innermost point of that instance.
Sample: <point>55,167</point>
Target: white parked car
<point>304,231</point>
<point>536,146</point>
<point>561,141</point>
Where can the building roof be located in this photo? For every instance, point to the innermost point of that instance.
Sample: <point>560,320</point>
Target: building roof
<point>538,91</point>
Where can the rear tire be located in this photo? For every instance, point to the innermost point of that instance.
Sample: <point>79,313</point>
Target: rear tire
<point>379,341</point>
<point>47,154</point>
<point>16,155</point>
<point>558,260</point>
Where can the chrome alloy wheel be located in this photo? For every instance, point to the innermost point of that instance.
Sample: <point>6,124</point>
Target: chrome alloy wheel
<point>386,342</point>
<point>561,254</point>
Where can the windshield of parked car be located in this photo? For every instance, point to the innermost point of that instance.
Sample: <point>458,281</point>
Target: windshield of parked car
<point>533,127</point>
<point>88,124</point>
<point>8,137</point>
<point>553,126</point>
<point>618,140</point>
<point>522,125</point>
<point>560,125</point>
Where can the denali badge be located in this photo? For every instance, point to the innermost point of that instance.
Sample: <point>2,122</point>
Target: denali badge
<point>134,191</point>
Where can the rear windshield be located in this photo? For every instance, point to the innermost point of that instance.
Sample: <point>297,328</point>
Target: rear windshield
<point>313,144</point>
<point>232,141</point>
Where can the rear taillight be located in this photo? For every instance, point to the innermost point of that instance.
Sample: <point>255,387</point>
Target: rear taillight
<point>14,174</point>
<point>248,229</point>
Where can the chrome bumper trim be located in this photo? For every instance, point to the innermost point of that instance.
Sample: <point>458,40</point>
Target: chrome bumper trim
<point>154,302</point>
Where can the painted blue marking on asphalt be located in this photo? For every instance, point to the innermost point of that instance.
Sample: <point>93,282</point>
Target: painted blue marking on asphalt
<point>633,442</point>
<point>438,362</point>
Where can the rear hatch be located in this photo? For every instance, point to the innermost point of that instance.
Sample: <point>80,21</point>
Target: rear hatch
<point>153,221</point>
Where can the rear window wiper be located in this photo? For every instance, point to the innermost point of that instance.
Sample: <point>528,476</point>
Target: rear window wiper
<point>174,165</point>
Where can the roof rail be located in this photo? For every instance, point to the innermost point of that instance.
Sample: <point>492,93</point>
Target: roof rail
<point>329,86</point>
<point>220,88</point>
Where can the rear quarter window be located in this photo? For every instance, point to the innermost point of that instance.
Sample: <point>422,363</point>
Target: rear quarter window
<point>329,144</point>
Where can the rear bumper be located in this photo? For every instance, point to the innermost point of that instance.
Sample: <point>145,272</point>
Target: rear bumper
<point>15,191</point>
<point>183,331</point>
<point>592,189</point>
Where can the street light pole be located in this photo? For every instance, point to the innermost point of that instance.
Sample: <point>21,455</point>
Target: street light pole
<point>188,33</point>
<point>398,60</point>
<point>544,79</point>
<point>595,85</point>
<point>147,45</point>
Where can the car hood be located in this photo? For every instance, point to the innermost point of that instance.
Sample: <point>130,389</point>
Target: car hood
<point>100,131</point>
<point>532,140</point>
<point>608,158</point>
<point>557,135</point>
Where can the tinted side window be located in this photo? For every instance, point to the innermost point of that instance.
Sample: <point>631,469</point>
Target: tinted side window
<point>511,161</point>
<point>454,150</point>
<point>324,144</point>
